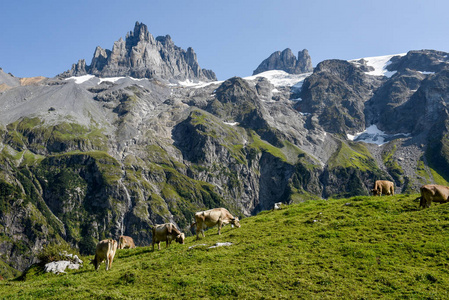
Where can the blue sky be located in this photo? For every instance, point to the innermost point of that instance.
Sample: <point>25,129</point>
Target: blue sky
<point>231,37</point>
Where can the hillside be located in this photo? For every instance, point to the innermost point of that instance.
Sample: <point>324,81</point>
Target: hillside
<point>360,247</point>
<point>143,135</point>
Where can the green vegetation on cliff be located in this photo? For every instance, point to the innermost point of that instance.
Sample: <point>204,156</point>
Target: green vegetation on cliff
<point>437,155</point>
<point>361,247</point>
<point>392,165</point>
<point>352,155</point>
<point>36,135</point>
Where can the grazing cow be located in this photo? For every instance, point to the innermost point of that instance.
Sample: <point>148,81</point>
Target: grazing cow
<point>212,217</point>
<point>433,193</point>
<point>383,187</point>
<point>166,232</point>
<point>105,250</point>
<point>126,242</point>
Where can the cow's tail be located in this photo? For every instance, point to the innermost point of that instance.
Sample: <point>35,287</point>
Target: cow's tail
<point>110,246</point>
<point>193,224</point>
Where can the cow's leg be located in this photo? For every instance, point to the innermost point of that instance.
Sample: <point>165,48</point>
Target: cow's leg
<point>107,262</point>
<point>199,228</point>
<point>159,245</point>
<point>220,223</point>
<point>153,244</point>
<point>421,202</point>
<point>111,258</point>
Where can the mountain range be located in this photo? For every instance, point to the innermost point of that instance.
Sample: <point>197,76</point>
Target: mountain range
<point>143,136</point>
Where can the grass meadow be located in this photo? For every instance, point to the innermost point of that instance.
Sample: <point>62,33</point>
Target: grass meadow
<point>356,248</point>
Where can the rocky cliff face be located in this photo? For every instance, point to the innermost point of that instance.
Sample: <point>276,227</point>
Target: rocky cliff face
<point>286,61</point>
<point>336,92</point>
<point>86,158</point>
<point>141,55</point>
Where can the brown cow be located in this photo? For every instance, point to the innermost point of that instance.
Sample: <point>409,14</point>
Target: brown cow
<point>166,232</point>
<point>212,217</point>
<point>433,193</point>
<point>105,250</point>
<point>383,187</point>
<point>126,242</point>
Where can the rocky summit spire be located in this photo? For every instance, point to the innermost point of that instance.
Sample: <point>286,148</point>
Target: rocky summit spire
<point>140,55</point>
<point>286,61</point>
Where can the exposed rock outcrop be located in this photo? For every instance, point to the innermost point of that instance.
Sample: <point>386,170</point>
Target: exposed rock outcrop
<point>286,61</point>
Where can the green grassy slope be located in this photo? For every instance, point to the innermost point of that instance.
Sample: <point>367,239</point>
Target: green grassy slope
<point>361,247</point>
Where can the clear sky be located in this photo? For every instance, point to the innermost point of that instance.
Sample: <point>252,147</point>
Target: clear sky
<point>231,37</point>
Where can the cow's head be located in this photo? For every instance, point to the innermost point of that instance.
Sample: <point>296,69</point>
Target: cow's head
<point>375,192</point>
<point>235,222</point>
<point>180,238</point>
<point>95,263</point>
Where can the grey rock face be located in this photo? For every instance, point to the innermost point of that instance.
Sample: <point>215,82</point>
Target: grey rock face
<point>286,61</point>
<point>390,97</point>
<point>426,108</point>
<point>336,92</point>
<point>140,55</point>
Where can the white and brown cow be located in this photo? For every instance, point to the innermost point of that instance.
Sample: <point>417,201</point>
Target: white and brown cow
<point>433,193</point>
<point>166,233</point>
<point>383,187</point>
<point>105,251</point>
<point>126,242</point>
<point>212,217</point>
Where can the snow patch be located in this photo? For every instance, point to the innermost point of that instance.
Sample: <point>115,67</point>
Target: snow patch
<point>232,123</point>
<point>196,84</point>
<point>115,79</point>
<point>81,79</point>
<point>111,79</point>
<point>280,78</point>
<point>84,78</point>
<point>426,73</point>
<point>379,63</point>
<point>373,135</point>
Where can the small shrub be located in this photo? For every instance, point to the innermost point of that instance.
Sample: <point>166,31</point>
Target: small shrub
<point>55,252</point>
<point>87,245</point>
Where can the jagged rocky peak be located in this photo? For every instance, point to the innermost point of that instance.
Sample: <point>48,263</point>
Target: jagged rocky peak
<point>287,61</point>
<point>141,55</point>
